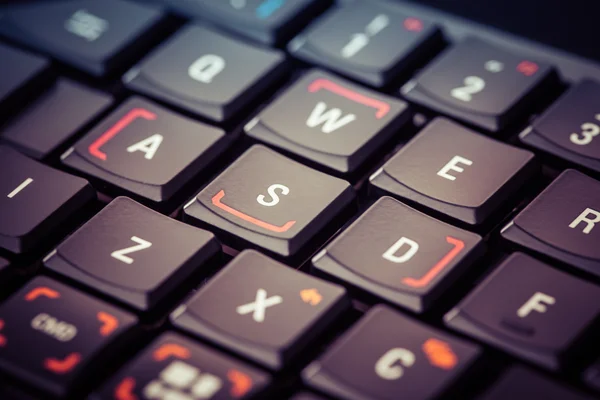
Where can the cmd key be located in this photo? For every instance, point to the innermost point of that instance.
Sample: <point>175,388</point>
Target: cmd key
<point>35,199</point>
<point>95,36</point>
<point>53,337</point>
<point>479,83</point>
<point>563,222</point>
<point>133,254</point>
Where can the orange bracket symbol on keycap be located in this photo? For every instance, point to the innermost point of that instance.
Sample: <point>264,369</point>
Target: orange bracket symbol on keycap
<point>41,291</point>
<point>62,366</point>
<point>311,296</point>
<point>240,383</point>
<point>439,267</point>
<point>440,354</point>
<point>2,337</point>
<point>124,391</point>
<point>170,350</point>
<point>109,323</point>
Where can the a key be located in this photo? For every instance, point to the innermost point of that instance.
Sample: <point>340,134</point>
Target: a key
<point>206,72</point>
<point>146,150</point>
<point>133,254</point>
<point>269,201</point>
<point>394,252</point>
<point>173,367</point>
<point>563,222</point>
<point>370,41</point>
<point>522,383</point>
<point>570,129</point>
<point>335,123</point>
<point>527,308</point>
<point>262,309</point>
<point>480,83</point>
<point>37,131</point>
<point>20,74</point>
<point>95,36</point>
<point>456,172</point>
<point>267,21</point>
<point>35,200</point>
<point>386,354</point>
<point>51,336</point>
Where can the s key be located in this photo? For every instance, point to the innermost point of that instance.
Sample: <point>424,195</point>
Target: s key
<point>269,201</point>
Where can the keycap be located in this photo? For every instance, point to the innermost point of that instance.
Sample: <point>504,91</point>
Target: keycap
<point>173,367</point>
<point>20,74</point>
<point>35,200</point>
<point>132,253</point>
<point>480,83</point>
<point>262,309</point>
<point>562,222</point>
<point>206,73</point>
<point>399,254</point>
<point>95,36</point>
<point>569,128</point>
<point>266,21</point>
<point>522,383</point>
<point>456,172</point>
<point>371,41</point>
<point>526,308</point>
<point>37,132</point>
<point>335,123</point>
<point>269,201</point>
<point>51,336</point>
<point>387,354</point>
<point>146,149</point>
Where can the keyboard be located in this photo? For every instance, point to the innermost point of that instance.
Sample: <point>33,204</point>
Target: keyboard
<point>293,199</point>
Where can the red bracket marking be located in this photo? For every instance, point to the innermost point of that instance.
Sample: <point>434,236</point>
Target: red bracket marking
<point>125,390</point>
<point>527,68</point>
<point>170,350</point>
<point>216,200</point>
<point>131,116</point>
<point>440,354</point>
<point>241,383</point>
<point>62,366</point>
<point>109,323</point>
<point>437,268</point>
<point>381,107</point>
<point>41,291</point>
<point>2,337</point>
<point>413,24</point>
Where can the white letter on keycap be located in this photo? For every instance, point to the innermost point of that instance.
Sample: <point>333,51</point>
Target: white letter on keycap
<point>453,166</point>
<point>206,68</point>
<point>148,146</point>
<point>390,254</point>
<point>584,217</point>
<point>535,303</point>
<point>385,367</point>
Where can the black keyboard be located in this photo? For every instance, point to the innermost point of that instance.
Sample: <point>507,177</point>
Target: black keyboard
<point>293,199</point>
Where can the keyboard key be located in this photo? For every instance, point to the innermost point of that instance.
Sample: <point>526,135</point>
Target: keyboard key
<point>335,123</point>
<point>133,254</point>
<point>146,150</point>
<point>386,354</point>
<point>267,21</point>
<point>456,172</point>
<point>37,132</point>
<point>20,74</point>
<point>262,309</point>
<point>35,200</point>
<point>176,368</point>
<point>206,73</point>
<point>270,201</point>
<point>51,335</point>
<point>569,128</point>
<point>562,222</point>
<point>536,321</point>
<point>95,36</point>
<point>521,383</point>
<point>479,83</point>
<point>399,254</point>
<point>369,41</point>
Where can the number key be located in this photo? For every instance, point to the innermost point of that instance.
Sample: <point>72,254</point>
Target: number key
<point>480,84</point>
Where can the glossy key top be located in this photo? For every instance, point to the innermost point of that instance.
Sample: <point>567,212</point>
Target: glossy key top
<point>53,336</point>
<point>206,72</point>
<point>386,355</point>
<point>35,200</point>
<point>173,367</point>
<point>456,172</point>
<point>480,83</point>
<point>262,309</point>
<point>95,36</point>
<point>563,222</point>
<point>132,253</point>
<point>269,201</point>
<point>529,309</point>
